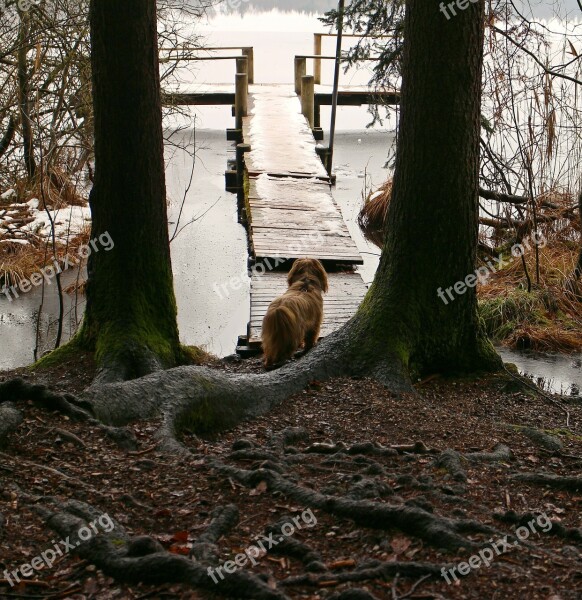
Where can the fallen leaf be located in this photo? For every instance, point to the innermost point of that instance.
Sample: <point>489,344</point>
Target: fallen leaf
<point>180,536</point>
<point>400,544</point>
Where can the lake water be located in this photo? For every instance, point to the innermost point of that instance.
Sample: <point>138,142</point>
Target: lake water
<point>213,249</point>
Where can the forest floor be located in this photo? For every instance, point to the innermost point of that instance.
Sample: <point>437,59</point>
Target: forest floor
<point>171,499</point>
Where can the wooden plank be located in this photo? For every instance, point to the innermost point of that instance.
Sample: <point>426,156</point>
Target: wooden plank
<point>346,292</point>
<point>293,220</point>
<point>282,141</point>
<point>265,253</point>
<point>320,236</point>
<point>282,247</point>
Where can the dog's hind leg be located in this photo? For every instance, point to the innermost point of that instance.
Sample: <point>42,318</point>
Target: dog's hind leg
<point>311,338</point>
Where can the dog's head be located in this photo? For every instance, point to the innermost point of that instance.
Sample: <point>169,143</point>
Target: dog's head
<point>308,270</point>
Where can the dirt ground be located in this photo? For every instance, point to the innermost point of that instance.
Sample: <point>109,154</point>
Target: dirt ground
<point>451,451</point>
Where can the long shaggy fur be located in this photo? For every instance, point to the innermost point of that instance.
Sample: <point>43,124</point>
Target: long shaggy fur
<point>294,319</point>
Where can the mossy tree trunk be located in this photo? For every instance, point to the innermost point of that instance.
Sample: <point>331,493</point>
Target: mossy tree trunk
<point>131,311</point>
<point>432,222</point>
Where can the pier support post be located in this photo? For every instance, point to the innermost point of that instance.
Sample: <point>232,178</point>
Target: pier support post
<point>241,150</point>
<point>308,99</point>
<point>317,38</point>
<point>300,71</point>
<point>317,115</point>
<point>250,54</point>
<point>241,99</point>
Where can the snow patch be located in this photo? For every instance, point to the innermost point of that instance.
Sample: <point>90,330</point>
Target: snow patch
<point>9,195</point>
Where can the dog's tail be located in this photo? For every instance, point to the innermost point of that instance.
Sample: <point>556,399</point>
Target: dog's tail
<point>280,336</point>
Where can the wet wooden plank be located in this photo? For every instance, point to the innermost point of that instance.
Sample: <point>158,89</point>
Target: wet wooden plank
<point>294,218</point>
<point>346,292</point>
<point>278,133</point>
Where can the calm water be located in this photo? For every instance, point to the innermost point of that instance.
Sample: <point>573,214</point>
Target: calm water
<point>213,249</point>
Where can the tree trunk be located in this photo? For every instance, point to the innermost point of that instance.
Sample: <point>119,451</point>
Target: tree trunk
<point>23,95</point>
<point>8,136</point>
<point>432,221</point>
<point>131,310</point>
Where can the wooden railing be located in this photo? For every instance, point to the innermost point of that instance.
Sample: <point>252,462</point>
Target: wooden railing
<point>247,54</point>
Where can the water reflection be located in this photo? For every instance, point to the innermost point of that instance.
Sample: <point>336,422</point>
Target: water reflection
<point>557,373</point>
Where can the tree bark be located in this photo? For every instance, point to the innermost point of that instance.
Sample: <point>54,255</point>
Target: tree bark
<point>131,310</point>
<point>432,221</point>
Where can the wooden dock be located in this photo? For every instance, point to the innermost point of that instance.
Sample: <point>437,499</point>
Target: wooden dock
<point>288,206</point>
<point>291,211</point>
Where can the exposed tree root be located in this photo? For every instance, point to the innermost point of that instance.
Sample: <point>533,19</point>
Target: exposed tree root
<point>224,519</point>
<point>10,419</point>
<point>571,484</point>
<point>437,531</point>
<point>500,453</point>
<point>451,461</point>
<point>366,571</point>
<point>206,399</point>
<point>143,559</point>
<point>67,404</point>
<point>557,529</point>
<point>293,548</point>
<point>543,439</point>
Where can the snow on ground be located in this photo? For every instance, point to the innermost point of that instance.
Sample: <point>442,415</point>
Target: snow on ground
<point>20,222</point>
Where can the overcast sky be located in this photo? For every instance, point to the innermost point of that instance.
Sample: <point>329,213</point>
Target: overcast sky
<point>547,8</point>
<point>539,8</point>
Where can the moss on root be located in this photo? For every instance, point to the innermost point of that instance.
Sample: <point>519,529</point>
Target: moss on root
<point>192,355</point>
<point>209,415</point>
<point>62,355</point>
<point>186,355</point>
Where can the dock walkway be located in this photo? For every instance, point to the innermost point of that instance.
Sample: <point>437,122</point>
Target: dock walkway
<point>292,211</point>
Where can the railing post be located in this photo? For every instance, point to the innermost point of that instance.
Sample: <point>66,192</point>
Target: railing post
<point>300,71</point>
<point>241,99</point>
<point>250,54</point>
<point>308,99</point>
<point>317,45</point>
<point>242,65</point>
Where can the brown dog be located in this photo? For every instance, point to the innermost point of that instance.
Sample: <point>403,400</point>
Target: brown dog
<point>295,317</point>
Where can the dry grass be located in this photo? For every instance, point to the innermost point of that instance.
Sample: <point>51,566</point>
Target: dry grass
<point>547,318</point>
<point>373,214</point>
<point>58,190</point>
<point>19,262</point>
